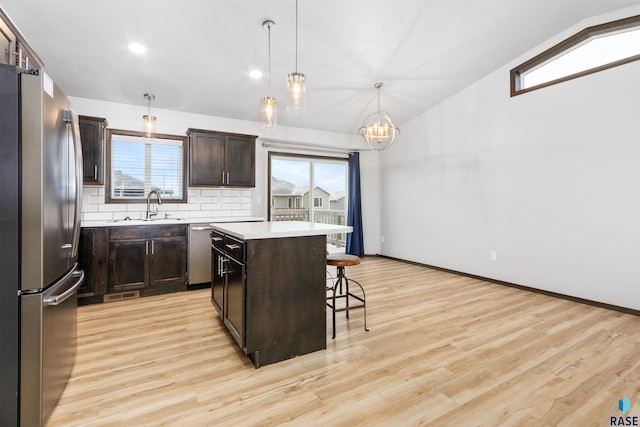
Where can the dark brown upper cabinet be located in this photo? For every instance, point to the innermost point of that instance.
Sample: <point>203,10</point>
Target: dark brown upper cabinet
<point>92,132</point>
<point>218,159</point>
<point>14,50</point>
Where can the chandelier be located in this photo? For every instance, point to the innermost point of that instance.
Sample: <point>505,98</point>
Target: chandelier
<point>378,129</point>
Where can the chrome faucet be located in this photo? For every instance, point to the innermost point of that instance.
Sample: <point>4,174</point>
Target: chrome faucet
<point>153,212</point>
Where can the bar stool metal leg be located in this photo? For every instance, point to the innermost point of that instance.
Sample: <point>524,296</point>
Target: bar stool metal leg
<point>346,295</point>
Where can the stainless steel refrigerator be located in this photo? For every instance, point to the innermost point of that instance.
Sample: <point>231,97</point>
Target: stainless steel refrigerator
<point>40,209</point>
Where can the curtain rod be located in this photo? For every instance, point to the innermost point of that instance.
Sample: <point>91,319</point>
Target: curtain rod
<point>274,143</point>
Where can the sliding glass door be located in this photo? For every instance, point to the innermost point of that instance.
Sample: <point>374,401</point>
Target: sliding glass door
<point>307,188</point>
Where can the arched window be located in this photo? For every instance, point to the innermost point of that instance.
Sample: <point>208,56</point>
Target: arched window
<point>591,50</point>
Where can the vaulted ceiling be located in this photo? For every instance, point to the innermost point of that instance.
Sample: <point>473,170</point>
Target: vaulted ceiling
<point>200,52</point>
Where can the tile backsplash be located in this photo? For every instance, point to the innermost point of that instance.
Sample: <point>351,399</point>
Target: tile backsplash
<point>202,203</point>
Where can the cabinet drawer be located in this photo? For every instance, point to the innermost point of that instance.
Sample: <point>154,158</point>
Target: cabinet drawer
<point>166,230</point>
<point>128,232</point>
<point>146,231</point>
<point>217,240</point>
<point>234,248</point>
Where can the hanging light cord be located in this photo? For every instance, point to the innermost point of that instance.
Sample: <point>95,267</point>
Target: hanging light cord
<point>269,60</point>
<point>296,36</point>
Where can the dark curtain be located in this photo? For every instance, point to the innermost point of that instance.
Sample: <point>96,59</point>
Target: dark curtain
<point>355,245</point>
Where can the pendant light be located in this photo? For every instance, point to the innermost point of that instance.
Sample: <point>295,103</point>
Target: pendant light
<point>296,84</point>
<point>149,120</point>
<point>269,110</point>
<point>378,129</point>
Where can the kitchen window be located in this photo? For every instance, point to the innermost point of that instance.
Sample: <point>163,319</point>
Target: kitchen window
<point>591,50</point>
<point>309,188</point>
<point>137,165</point>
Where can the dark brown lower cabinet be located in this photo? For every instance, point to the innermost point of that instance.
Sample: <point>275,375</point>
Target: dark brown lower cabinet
<point>218,275</point>
<point>270,294</point>
<point>92,258</point>
<point>168,261</point>
<point>128,266</point>
<point>150,259</point>
<point>130,261</point>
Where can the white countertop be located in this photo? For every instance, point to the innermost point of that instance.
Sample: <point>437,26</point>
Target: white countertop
<point>167,221</point>
<point>277,229</point>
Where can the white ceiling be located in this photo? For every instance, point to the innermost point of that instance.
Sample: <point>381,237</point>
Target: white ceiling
<point>201,51</point>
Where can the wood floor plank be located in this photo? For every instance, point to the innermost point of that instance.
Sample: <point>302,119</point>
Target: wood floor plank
<point>443,349</point>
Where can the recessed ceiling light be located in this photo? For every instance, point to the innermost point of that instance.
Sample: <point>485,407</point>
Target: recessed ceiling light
<point>137,48</point>
<point>255,74</point>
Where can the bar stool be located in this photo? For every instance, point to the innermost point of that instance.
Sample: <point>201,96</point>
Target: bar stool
<point>341,261</point>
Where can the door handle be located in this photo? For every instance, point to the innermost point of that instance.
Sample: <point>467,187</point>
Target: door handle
<point>223,269</point>
<point>71,118</point>
<point>59,299</point>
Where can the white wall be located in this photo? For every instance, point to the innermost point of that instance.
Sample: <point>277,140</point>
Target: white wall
<point>549,180</point>
<point>226,202</point>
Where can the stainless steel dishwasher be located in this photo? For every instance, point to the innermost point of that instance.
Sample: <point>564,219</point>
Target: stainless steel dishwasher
<point>199,256</point>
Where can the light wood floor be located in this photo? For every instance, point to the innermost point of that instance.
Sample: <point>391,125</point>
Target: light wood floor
<point>443,350</point>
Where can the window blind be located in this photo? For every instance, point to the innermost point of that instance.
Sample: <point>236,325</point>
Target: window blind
<point>140,165</point>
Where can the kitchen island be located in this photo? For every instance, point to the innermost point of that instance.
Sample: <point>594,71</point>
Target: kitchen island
<point>268,285</point>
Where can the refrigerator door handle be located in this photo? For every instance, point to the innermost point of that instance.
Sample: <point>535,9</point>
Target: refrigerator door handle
<point>59,299</point>
<point>71,117</point>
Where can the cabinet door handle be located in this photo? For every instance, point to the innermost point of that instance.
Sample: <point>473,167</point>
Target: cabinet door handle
<point>146,247</point>
<point>223,177</point>
<point>227,177</point>
<point>152,248</point>
<point>216,239</point>
<point>95,172</point>
<point>233,246</point>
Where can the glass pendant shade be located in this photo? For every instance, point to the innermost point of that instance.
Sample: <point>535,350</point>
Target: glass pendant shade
<point>269,112</point>
<point>377,128</point>
<point>149,121</point>
<point>268,104</point>
<point>297,88</point>
<point>296,84</point>
<point>149,125</point>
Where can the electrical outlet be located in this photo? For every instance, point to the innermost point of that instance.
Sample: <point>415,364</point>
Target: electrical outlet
<point>493,255</point>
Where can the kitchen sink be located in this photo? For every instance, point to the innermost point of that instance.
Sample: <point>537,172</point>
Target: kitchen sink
<point>129,221</point>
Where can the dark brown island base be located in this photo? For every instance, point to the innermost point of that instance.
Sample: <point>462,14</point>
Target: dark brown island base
<point>268,285</point>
